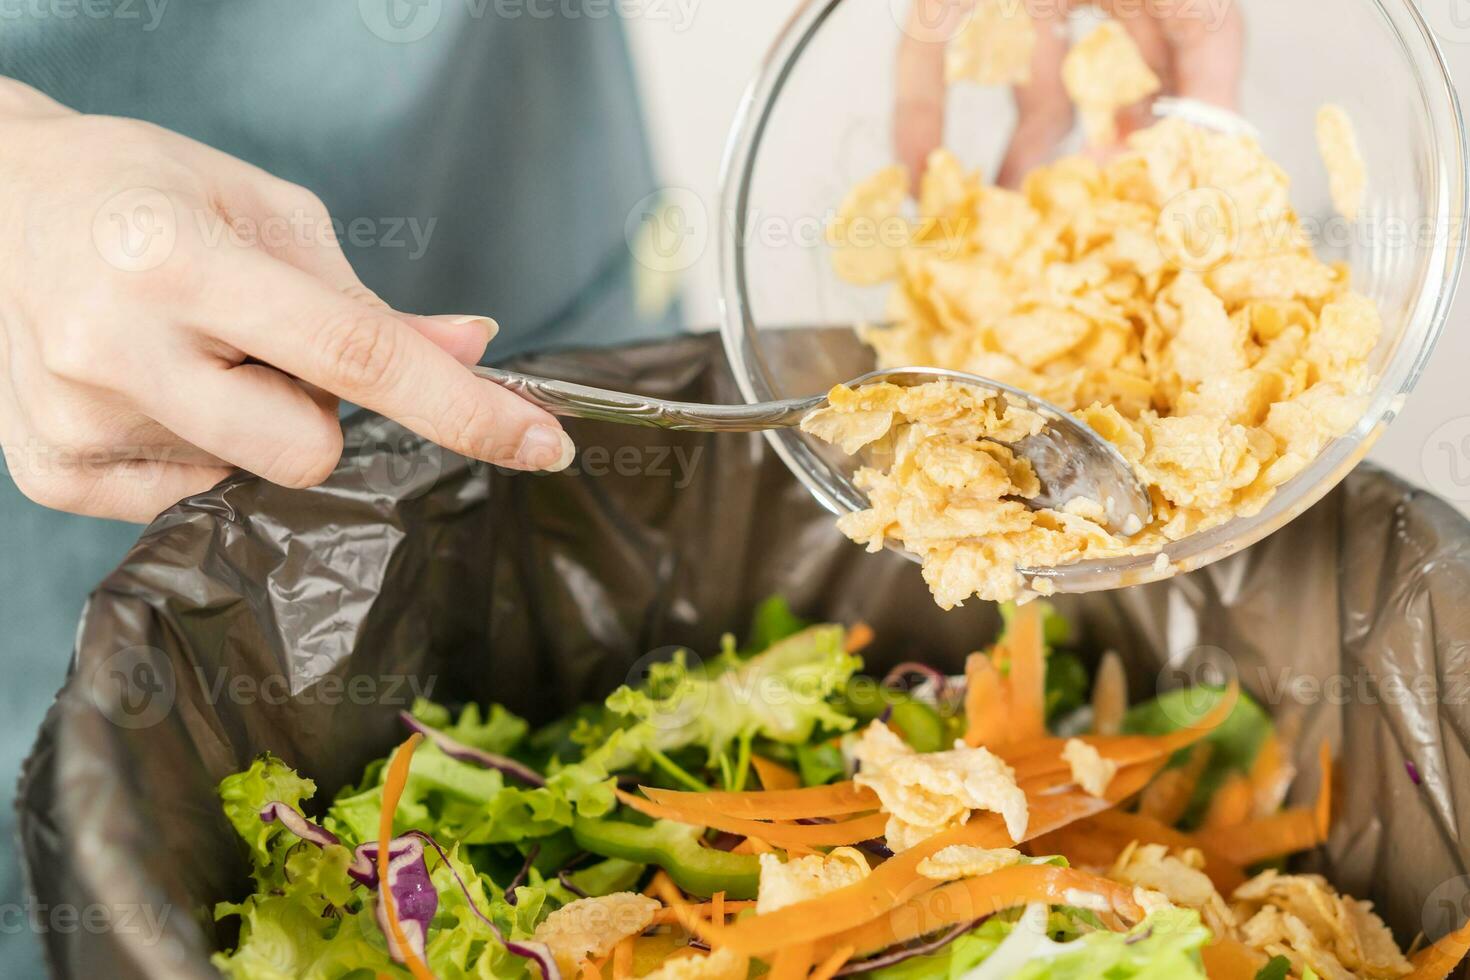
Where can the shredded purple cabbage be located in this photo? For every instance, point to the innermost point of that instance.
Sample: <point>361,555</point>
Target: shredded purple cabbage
<point>292,819</point>
<point>510,889</point>
<point>1413,771</point>
<point>467,753</point>
<point>908,952</point>
<point>413,893</point>
<point>566,882</point>
<point>876,847</point>
<point>941,683</point>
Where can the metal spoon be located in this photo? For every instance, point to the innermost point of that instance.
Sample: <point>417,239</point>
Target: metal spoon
<point>1070,459</point>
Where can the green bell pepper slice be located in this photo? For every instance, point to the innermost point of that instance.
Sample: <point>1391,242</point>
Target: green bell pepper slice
<point>675,847</point>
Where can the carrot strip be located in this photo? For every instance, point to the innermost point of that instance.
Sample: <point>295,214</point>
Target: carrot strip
<point>717,908</point>
<point>829,967</point>
<point>976,898</point>
<point>1226,959</point>
<point>706,910</point>
<point>1167,798</point>
<point>591,971</point>
<point>1322,811</point>
<point>1231,805</point>
<point>1281,834</point>
<point>780,834</point>
<point>1435,962</point>
<point>1109,695</point>
<point>773,775</point>
<point>622,960</point>
<point>752,845</point>
<point>859,637</point>
<point>836,800</point>
<point>658,883</point>
<point>986,709</point>
<point>393,785</point>
<point>792,962</point>
<point>1220,865</point>
<point>1270,775</point>
<point>897,880</point>
<point>1028,674</point>
<point>666,891</point>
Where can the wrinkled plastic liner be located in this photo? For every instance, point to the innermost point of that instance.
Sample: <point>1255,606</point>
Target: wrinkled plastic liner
<point>253,618</point>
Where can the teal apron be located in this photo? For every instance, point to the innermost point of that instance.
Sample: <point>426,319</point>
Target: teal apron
<point>481,156</point>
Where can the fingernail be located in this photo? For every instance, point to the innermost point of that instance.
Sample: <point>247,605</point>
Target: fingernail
<point>486,324</point>
<point>545,447</point>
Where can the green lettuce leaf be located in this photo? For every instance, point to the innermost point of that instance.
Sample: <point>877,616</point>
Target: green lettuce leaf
<point>1165,946</point>
<point>1233,745</point>
<point>499,732</point>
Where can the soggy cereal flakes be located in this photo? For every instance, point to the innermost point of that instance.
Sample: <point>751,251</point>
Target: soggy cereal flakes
<point>804,878</point>
<point>1089,769</point>
<point>1302,918</point>
<point>927,793</point>
<point>1347,174</point>
<point>590,927</point>
<point>1168,297</point>
<point>869,232</point>
<point>963,861</point>
<point>1179,878</point>
<point>722,964</point>
<point>1105,72</point>
<point>994,48</point>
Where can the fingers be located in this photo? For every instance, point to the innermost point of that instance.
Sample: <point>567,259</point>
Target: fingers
<point>303,235</point>
<point>136,490</point>
<point>918,124</point>
<point>253,417</point>
<point>1044,112</point>
<point>1208,51</point>
<point>371,358</point>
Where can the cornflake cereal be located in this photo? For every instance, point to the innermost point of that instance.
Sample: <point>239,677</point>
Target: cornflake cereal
<point>1103,73</point>
<point>1347,174</point>
<point>1168,297</point>
<point>995,47</point>
<point>590,927</point>
<point>926,794</point>
<point>723,964</point>
<point>1302,918</point>
<point>962,861</point>
<point>804,878</point>
<point>1089,769</point>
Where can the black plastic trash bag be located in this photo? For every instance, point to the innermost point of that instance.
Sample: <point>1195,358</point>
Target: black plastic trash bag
<point>254,618</point>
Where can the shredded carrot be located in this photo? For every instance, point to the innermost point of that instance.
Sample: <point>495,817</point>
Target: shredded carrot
<point>752,845</point>
<point>986,710</point>
<point>689,918</point>
<point>1226,959</point>
<point>622,960</point>
<point>779,834</point>
<point>1231,805</point>
<point>592,969</point>
<point>1220,865</point>
<point>976,898</point>
<point>1435,962</point>
<point>835,800</point>
<point>1028,674</point>
<point>658,883</point>
<point>1322,811</point>
<point>829,967</point>
<point>897,880</point>
<point>859,636</point>
<point>1167,798</point>
<point>706,910</point>
<point>393,785</point>
<point>717,908</point>
<point>1288,832</point>
<point>773,775</point>
<point>792,962</point>
<point>1270,775</point>
<point>1109,695</point>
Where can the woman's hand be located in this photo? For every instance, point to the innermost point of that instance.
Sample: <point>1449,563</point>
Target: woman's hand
<point>168,313</point>
<point>1194,46</point>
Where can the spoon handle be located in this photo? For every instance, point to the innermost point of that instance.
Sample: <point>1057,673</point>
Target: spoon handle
<point>582,402</point>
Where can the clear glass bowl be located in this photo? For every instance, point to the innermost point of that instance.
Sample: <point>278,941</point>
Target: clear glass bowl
<point>818,118</point>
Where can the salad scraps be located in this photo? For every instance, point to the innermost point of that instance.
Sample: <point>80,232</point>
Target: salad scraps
<point>1166,294</point>
<point>961,827</point>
